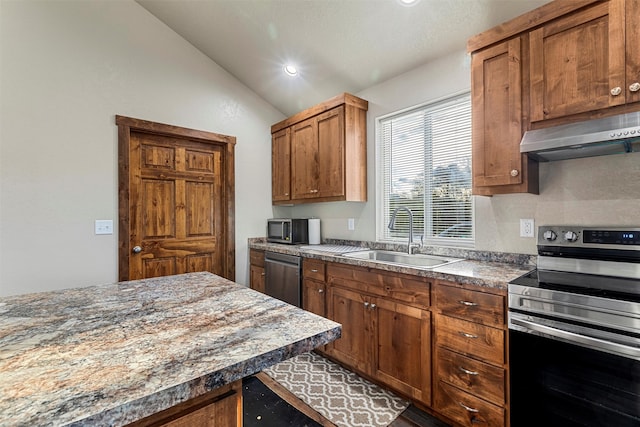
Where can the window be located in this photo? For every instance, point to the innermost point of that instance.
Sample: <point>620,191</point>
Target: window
<point>425,166</point>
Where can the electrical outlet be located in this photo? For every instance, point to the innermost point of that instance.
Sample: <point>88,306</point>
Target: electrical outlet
<point>351,224</point>
<point>526,228</point>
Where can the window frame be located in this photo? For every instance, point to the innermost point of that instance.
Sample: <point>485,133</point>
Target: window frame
<point>381,224</point>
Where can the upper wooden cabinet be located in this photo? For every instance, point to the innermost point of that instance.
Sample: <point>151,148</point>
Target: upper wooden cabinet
<point>319,154</point>
<point>579,61</point>
<point>496,90</point>
<point>566,61</point>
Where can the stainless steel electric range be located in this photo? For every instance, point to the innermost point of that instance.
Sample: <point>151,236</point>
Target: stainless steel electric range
<point>574,330</point>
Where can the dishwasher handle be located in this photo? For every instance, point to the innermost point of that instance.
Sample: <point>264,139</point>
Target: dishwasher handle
<point>283,258</point>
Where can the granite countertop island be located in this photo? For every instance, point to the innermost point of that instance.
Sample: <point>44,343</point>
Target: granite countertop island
<point>113,354</point>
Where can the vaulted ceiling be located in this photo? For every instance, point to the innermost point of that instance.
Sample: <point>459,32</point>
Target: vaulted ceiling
<point>337,45</point>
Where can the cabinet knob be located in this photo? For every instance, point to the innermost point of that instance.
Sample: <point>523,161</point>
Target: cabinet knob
<point>314,270</point>
<point>616,91</point>
<point>514,172</point>
<point>320,291</point>
<point>136,249</point>
<point>262,274</point>
<point>373,306</point>
<point>634,87</point>
<point>366,304</point>
<point>286,194</point>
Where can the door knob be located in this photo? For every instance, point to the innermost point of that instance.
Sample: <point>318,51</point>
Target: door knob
<point>137,249</point>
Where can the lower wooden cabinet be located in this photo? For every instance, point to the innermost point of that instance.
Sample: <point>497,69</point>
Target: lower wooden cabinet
<point>219,408</point>
<point>314,288</point>
<point>471,371</point>
<point>256,270</point>
<point>383,338</point>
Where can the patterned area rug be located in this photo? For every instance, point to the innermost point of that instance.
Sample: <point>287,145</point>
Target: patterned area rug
<point>338,394</point>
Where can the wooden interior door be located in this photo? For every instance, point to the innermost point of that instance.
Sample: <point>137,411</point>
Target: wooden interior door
<point>175,201</point>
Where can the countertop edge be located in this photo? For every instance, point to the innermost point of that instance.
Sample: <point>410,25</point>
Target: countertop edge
<point>174,395</point>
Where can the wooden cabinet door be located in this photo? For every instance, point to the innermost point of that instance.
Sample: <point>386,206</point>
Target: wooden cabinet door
<point>403,342</point>
<point>313,297</point>
<point>497,115</point>
<point>317,165</point>
<point>304,163</point>
<point>330,158</point>
<point>256,278</point>
<point>221,407</point>
<point>633,50</point>
<point>281,166</point>
<point>351,310</point>
<point>578,62</point>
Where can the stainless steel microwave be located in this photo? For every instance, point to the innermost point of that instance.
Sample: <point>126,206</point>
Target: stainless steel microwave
<point>292,231</point>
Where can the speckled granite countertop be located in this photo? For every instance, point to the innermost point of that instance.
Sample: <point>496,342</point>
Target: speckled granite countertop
<point>113,354</point>
<point>484,269</point>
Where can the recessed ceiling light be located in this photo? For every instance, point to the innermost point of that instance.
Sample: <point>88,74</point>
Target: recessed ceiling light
<point>408,2</point>
<point>291,70</point>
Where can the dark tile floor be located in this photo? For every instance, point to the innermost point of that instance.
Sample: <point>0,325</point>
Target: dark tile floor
<point>264,408</point>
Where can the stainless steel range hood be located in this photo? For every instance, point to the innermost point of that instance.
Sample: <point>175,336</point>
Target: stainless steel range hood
<point>599,137</point>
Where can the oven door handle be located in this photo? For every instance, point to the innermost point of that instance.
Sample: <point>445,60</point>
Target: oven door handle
<point>590,342</point>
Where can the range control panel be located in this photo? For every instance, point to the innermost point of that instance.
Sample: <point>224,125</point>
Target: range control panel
<point>580,236</point>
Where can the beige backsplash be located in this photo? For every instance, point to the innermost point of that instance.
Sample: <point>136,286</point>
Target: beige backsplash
<point>592,191</point>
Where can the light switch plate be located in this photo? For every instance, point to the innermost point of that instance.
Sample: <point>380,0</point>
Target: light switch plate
<point>351,224</point>
<point>104,226</point>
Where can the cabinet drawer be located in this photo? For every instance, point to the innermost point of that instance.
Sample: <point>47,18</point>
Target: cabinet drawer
<point>466,409</point>
<point>313,269</point>
<point>400,287</point>
<point>256,257</point>
<point>478,341</point>
<point>477,378</point>
<point>479,307</point>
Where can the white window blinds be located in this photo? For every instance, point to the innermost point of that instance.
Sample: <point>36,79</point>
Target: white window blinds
<point>425,161</point>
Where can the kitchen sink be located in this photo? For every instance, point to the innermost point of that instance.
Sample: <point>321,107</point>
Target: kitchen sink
<point>399,258</point>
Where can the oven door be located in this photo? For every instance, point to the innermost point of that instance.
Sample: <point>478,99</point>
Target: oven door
<point>557,383</point>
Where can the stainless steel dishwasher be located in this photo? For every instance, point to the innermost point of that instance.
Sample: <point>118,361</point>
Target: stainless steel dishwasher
<point>282,277</point>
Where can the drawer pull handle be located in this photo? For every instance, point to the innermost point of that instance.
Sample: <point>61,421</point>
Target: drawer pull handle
<point>468,303</point>
<point>467,335</point>
<point>468,372</point>
<point>475,411</point>
<point>314,270</point>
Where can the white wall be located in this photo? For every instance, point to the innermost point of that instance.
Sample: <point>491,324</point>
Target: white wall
<point>67,68</point>
<point>593,191</point>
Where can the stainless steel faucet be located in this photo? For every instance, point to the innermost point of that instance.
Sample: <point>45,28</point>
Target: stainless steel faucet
<point>392,225</point>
